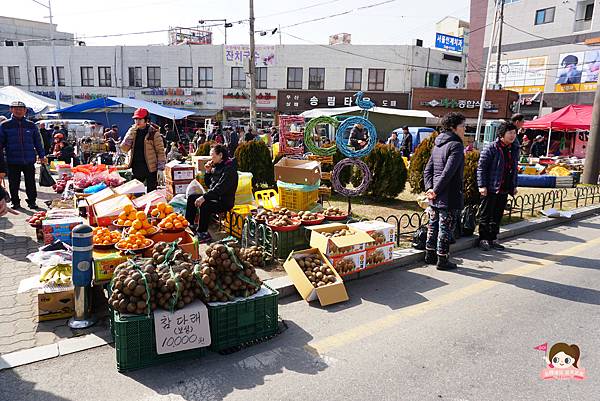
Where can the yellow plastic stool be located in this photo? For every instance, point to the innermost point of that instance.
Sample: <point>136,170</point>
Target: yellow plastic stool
<point>269,199</point>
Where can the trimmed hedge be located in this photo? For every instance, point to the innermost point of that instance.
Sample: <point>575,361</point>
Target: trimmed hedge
<point>418,162</point>
<point>255,157</point>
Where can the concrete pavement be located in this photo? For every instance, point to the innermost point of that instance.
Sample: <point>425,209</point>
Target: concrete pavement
<point>419,334</point>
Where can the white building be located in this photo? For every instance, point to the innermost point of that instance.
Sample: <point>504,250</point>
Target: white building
<point>455,27</point>
<point>21,32</point>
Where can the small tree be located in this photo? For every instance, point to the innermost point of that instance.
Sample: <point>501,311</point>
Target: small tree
<point>204,149</point>
<point>418,162</point>
<point>388,172</point>
<point>471,189</point>
<point>254,157</point>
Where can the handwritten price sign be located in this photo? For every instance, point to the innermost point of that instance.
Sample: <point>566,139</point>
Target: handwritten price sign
<point>184,329</point>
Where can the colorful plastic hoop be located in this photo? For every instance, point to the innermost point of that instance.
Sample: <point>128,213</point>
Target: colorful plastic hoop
<point>337,170</point>
<point>309,129</point>
<point>342,144</point>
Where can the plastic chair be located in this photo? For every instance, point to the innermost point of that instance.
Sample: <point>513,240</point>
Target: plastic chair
<point>269,198</point>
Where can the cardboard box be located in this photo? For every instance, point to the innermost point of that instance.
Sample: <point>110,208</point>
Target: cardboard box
<point>176,187</point>
<point>298,171</point>
<point>349,263</point>
<point>374,255</point>
<point>328,294</point>
<point>132,187</point>
<point>189,242</point>
<point>199,162</point>
<point>108,211</point>
<point>55,302</point>
<point>380,231</point>
<point>175,171</point>
<point>92,200</point>
<point>337,246</point>
<point>105,262</point>
<point>59,229</point>
<point>152,198</point>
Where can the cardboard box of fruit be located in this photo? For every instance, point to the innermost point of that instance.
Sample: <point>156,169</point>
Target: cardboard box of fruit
<point>381,232</point>
<point>314,277</point>
<point>338,239</point>
<point>349,263</point>
<point>55,302</point>
<point>379,255</point>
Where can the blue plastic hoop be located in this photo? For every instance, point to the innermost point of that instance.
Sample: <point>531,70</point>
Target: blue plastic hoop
<point>342,144</point>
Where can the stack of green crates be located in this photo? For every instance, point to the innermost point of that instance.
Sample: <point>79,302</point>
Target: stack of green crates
<point>279,244</point>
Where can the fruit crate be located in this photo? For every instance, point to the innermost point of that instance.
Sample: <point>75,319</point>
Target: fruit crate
<point>297,199</point>
<point>279,244</point>
<point>135,343</point>
<point>236,323</point>
<point>233,223</point>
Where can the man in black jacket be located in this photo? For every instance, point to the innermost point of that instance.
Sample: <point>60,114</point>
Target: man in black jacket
<point>221,178</point>
<point>406,144</point>
<point>443,178</point>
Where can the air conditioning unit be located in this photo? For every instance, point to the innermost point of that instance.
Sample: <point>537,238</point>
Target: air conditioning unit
<point>454,81</point>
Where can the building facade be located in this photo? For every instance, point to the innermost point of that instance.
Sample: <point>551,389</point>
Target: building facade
<point>547,47</point>
<point>21,32</point>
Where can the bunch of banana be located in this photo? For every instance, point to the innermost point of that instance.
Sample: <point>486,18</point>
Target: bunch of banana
<point>57,275</point>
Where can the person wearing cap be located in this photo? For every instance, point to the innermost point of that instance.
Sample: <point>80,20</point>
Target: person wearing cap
<point>497,172</point>
<point>538,149</point>
<point>21,141</point>
<point>146,150</point>
<point>358,137</point>
<point>406,145</point>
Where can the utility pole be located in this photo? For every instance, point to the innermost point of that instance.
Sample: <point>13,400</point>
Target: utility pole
<point>591,168</point>
<point>252,70</point>
<point>486,77</point>
<point>499,43</point>
<point>55,70</point>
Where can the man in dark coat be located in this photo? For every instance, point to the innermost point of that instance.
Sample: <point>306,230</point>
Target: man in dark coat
<point>22,142</point>
<point>538,149</point>
<point>496,179</point>
<point>443,178</point>
<point>406,144</point>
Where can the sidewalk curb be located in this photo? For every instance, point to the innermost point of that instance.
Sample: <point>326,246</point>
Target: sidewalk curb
<point>408,258</point>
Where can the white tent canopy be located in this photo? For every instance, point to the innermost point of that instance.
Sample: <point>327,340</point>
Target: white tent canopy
<point>38,103</point>
<point>380,110</point>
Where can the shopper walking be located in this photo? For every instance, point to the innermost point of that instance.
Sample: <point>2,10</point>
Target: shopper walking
<point>46,138</point>
<point>496,178</point>
<point>221,178</point>
<point>406,145</point>
<point>232,140</point>
<point>21,141</point>
<point>443,177</point>
<point>147,156</point>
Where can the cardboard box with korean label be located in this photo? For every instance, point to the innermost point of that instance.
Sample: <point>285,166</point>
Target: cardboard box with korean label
<point>150,199</point>
<point>175,171</point>
<point>55,302</point>
<point>331,293</point>
<point>379,255</point>
<point>354,241</point>
<point>133,187</point>
<point>380,231</point>
<point>92,200</point>
<point>105,262</point>
<point>199,162</point>
<point>109,210</point>
<point>298,171</point>
<point>59,229</point>
<point>176,187</point>
<point>349,263</point>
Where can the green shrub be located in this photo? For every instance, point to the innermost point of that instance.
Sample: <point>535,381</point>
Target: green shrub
<point>347,173</point>
<point>471,190</point>
<point>388,172</point>
<point>418,162</point>
<point>204,149</point>
<point>254,157</point>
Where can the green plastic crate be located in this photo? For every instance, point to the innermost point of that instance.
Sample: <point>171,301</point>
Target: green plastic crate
<point>236,323</point>
<point>278,244</point>
<point>135,344</point>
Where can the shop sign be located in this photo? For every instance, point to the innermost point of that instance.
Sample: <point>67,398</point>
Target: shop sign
<point>306,100</point>
<point>461,104</point>
<point>178,102</point>
<point>448,42</point>
<point>578,71</point>
<point>236,55</point>
<point>183,329</point>
<point>51,95</point>
<point>169,92</point>
<point>91,96</point>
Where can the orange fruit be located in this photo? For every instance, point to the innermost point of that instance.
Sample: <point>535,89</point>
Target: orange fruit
<point>121,222</point>
<point>142,232</point>
<point>137,224</point>
<point>140,215</point>
<point>127,223</point>
<point>154,212</point>
<point>128,208</point>
<point>123,215</point>
<point>168,225</point>
<point>131,215</point>
<point>168,209</point>
<point>161,206</point>
<point>146,224</point>
<point>177,225</point>
<point>185,223</point>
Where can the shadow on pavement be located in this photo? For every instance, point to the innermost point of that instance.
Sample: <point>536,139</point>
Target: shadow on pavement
<point>12,246</point>
<point>215,376</point>
<point>13,387</point>
<point>562,291</point>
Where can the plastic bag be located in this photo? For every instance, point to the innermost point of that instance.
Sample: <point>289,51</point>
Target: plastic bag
<point>94,188</point>
<point>179,203</point>
<point>420,237</point>
<point>114,179</point>
<point>194,188</point>
<point>468,220</point>
<point>46,179</point>
<point>47,259</point>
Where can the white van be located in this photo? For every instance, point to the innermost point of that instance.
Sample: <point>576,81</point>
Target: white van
<point>77,128</point>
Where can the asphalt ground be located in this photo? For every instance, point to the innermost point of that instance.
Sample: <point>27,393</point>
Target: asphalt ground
<point>417,334</point>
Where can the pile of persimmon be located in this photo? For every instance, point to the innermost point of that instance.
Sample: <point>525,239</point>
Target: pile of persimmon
<point>127,217</point>
<point>133,242</point>
<point>161,210</point>
<point>173,222</point>
<point>141,225</point>
<point>103,236</point>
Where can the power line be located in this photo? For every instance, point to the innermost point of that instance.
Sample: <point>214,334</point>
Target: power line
<point>545,38</point>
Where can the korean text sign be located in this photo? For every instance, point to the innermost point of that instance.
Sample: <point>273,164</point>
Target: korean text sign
<point>183,329</point>
<point>447,42</point>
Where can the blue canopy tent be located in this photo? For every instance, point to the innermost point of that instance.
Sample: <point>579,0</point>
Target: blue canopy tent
<point>121,119</point>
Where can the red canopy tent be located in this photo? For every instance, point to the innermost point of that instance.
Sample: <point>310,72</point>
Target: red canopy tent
<point>570,118</point>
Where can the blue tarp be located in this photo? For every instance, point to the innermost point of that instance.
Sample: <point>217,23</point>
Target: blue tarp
<point>153,108</point>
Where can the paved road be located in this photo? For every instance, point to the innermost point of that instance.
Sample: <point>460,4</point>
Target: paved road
<point>404,335</point>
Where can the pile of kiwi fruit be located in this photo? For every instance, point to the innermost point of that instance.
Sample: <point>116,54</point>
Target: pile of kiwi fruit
<point>317,272</point>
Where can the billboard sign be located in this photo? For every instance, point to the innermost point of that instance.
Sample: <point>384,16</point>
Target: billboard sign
<point>448,42</point>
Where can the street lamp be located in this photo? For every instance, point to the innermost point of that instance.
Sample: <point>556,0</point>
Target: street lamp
<point>56,92</point>
<point>224,21</point>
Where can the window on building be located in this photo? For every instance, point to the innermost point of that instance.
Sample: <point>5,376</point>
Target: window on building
<point>261,77</point>
<point>205,77</point>
<point>376,79</point>
<point>511,1</point>
<point>436,80</point>
<point>294,78</point>
<point>589,12</point>
<point>1,76</point>
<point>186,79</point>
<point>104,77</point>
<point>61,75</point>
<point>544,16</point>
<point>153,77</point>
<point>41,76</point>
<point>238,77</point>
<point>14,76</point>
<point>316,78</point>
<point>135,77</point>
<point>87,76</point>
<point>353,78</point>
